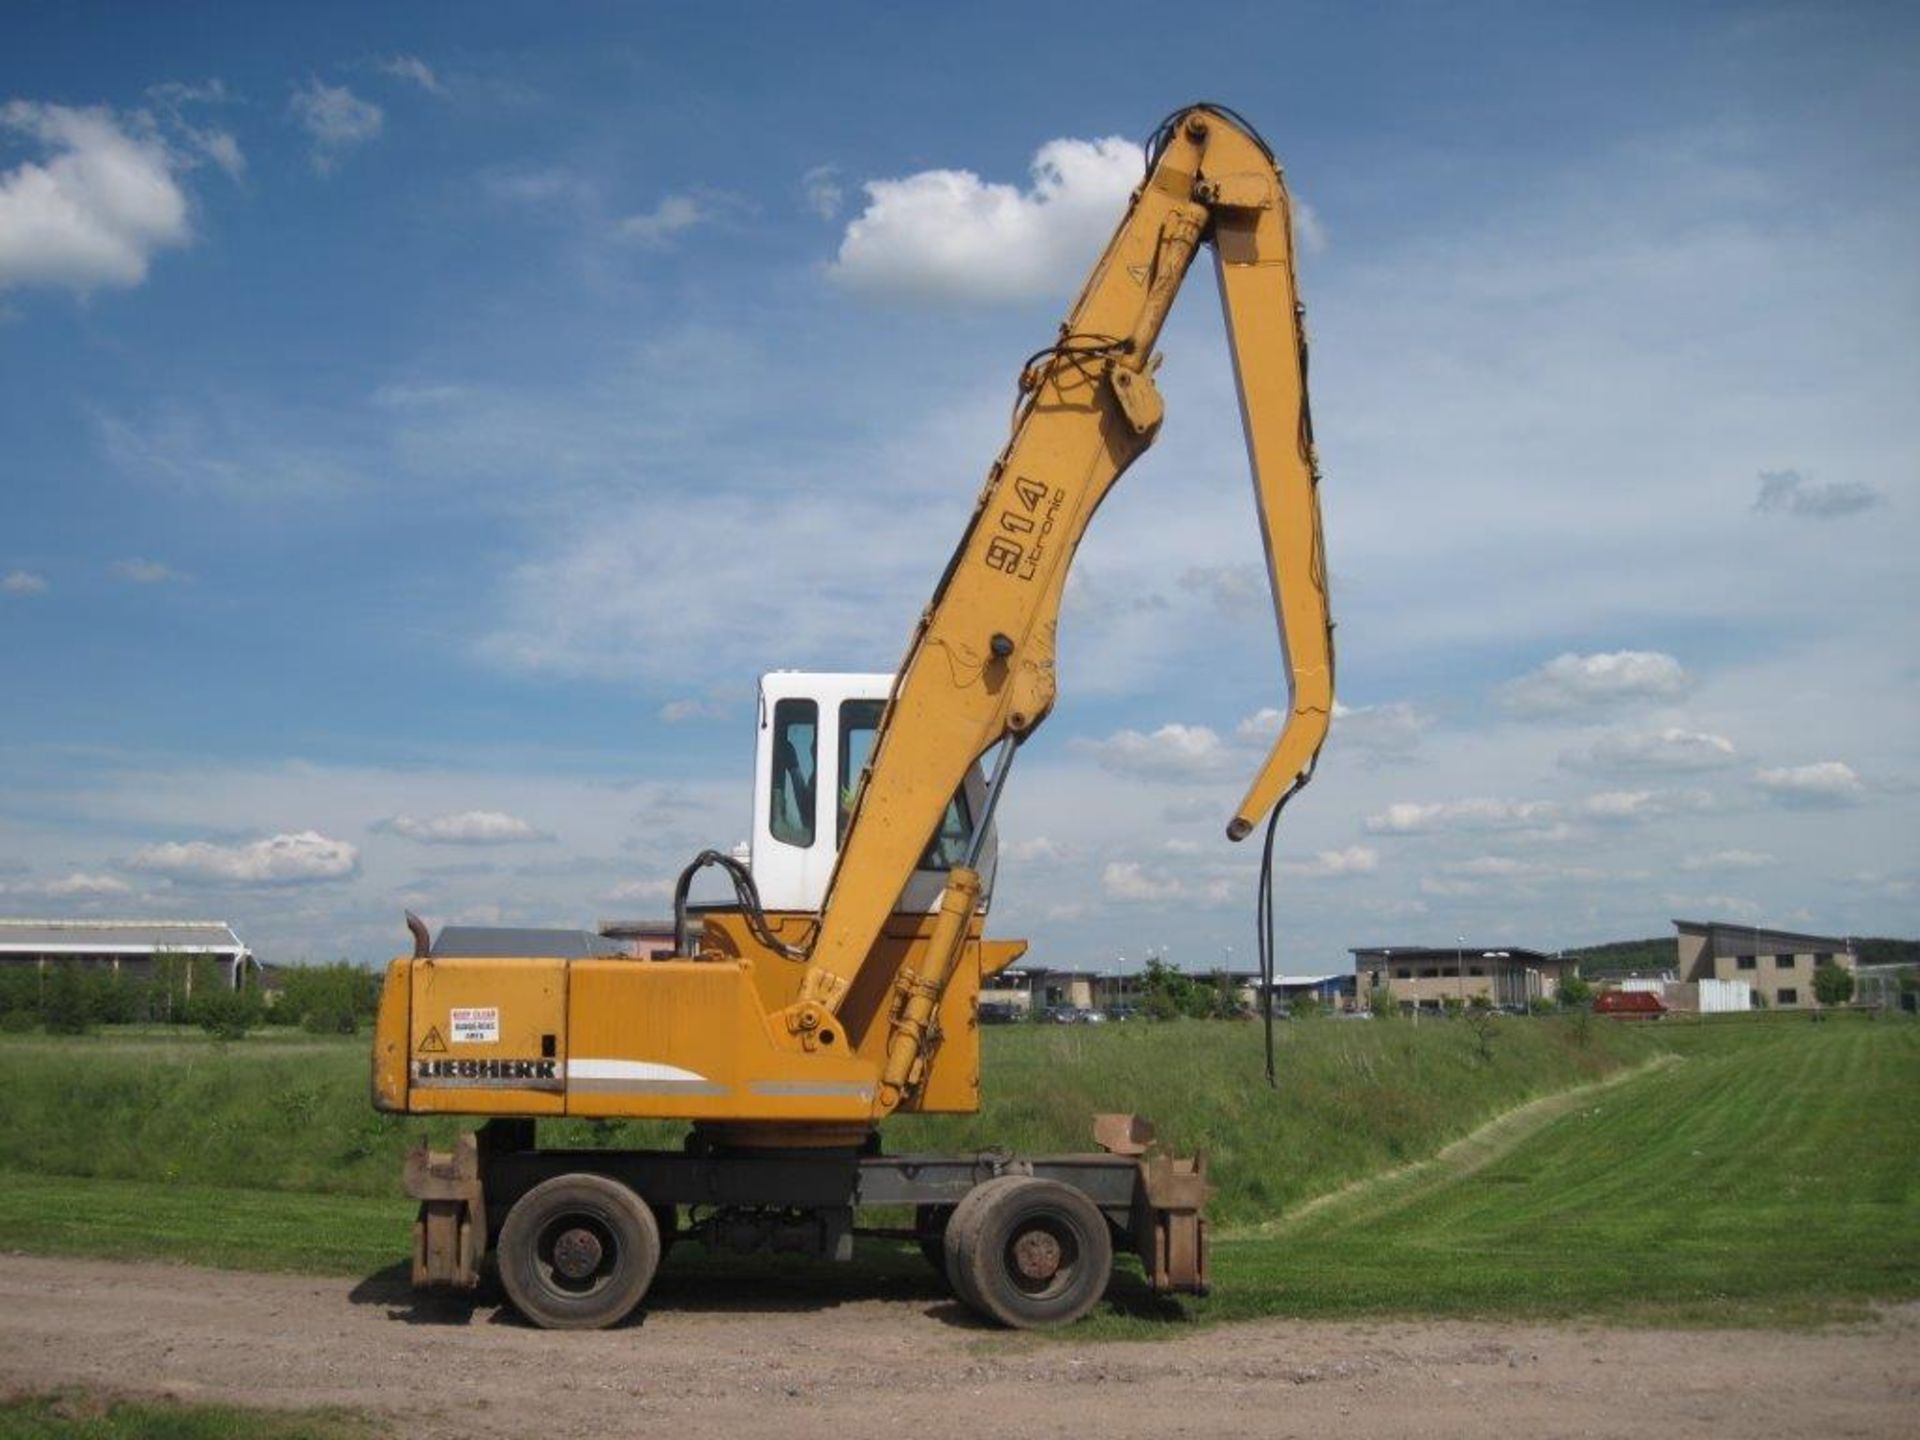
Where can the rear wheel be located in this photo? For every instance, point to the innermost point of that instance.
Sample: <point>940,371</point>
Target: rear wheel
<point>1029,1253</point>
<point>578,1252</point>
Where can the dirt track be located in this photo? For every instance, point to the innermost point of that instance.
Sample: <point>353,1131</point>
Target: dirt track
<point>785,1364</point>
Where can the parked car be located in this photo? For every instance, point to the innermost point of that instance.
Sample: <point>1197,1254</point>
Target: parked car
<point>1120,1014</point>
<point>1629,1005</point>
<point>1000,1012</point>
<point>1073,1015</point>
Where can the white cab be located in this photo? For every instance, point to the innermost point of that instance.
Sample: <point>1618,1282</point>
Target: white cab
<point>814,733</point>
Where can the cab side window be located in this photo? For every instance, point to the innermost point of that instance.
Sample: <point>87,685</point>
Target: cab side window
<point>796,737</point>
<point>859,722</point>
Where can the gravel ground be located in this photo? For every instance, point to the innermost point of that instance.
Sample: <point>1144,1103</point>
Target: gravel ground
<point>746,1365</point>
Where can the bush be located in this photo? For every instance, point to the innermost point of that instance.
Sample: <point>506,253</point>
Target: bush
<point>226,1014</point>
<point>328,999</point>
<point>1832,985</point>
<point>1169,994</point>
<point>63,1003</point>
<point>1575,992</point>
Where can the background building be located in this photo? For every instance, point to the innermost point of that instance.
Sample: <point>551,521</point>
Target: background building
<point>1778,964</point>
<point>1426,976</point>
<point>126,947</point>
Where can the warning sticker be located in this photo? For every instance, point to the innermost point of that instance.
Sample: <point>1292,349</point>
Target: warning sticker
<point>433,1044</point>
<point>478,1026</point>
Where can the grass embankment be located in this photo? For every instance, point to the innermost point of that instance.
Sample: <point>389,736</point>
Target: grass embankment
<point>1770,1174</point>
<point>79,1417</point>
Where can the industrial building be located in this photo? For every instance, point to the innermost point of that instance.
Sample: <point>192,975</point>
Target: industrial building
<point>126,947</point>
<point>1777,964</point>
<point>1425,977</point>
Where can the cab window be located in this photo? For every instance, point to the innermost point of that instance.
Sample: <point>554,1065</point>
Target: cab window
<point>796,736</point>
<point>859,723</point>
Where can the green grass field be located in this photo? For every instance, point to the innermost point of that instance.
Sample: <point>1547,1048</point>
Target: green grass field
<point>80,1417</point>
<point>1770,1174</point>
<point>1754,1171</point>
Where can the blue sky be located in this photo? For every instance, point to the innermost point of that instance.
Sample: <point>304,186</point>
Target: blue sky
<point>424,422</point>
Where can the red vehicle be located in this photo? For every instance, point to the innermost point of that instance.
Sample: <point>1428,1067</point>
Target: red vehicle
<point>1630,1005</point>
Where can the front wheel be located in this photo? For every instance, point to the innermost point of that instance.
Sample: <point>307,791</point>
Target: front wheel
<point>1029,1253</point>
<point>578,1252</point>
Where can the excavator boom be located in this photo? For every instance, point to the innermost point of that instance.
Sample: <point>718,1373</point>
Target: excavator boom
<point>980,669</point>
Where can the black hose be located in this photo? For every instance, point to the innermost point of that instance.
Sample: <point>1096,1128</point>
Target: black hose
<point>1263,938</point>
<point>745,892</point>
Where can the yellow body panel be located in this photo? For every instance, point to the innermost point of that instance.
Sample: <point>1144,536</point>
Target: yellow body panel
<point>390,1039</point>
<point>689,1039</point>
<point>485,1036</point>
<point>667,1039</point>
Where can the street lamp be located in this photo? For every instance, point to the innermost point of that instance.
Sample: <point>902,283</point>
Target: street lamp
<point>1460,967</point>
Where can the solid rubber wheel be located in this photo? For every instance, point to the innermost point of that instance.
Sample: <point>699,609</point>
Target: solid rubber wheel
<point>1029,1253</point>
<point>577,1252</point>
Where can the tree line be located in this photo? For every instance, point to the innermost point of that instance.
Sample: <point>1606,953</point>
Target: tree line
<point>72,998</point>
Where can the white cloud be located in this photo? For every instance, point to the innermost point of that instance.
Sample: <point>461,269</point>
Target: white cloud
<point>93,213</point>
<point>1331,864</point>
<point>1824,783</point>
<point>1712,905</point>
<point>1727,860</point>
<point>295,859</point>
<point>642,890</point>
<point>949,236</point>
<point>1670,750</point>
<point>411,68</point>
<point>1411,818</point>
<point>335,119</point>
<point>823,191</point>
<point>417,397</point>
<point>1636,806</point>
<point>674,214</point>
<point>678,712</point>
<point>1129,880</point>
<point>79,885</point>
<point>23,582</point>
<point>1391,731</point>
<point>1035,849</point>
<point>1788,492</point>
<point>147,572</point>
<point>1570,683</point>
<point>1309,231</point>
<point>467,827</point>
<point>1173,752</point>
<point>171,100</point>
<point>1234,589</point>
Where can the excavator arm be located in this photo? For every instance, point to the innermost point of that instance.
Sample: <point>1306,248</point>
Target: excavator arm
<point>979,672</point>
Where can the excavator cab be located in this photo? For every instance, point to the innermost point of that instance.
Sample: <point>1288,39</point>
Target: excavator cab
<point>814,736</point>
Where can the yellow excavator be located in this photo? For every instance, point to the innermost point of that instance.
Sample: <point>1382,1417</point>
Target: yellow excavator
<point>840,984</point>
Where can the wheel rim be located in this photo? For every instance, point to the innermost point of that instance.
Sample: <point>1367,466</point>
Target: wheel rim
<point>1041,1257</point>
<point>576,1255</point>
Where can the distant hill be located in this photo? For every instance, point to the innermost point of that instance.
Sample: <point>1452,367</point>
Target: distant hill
<point>1619,957</point>
<point>1879,950</point>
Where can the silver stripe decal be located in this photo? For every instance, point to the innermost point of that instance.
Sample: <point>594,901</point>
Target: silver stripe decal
<point>812,1087</point>
<point>645,1087</point>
